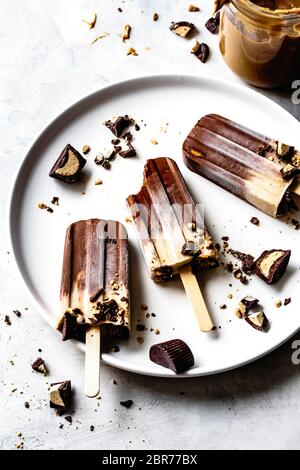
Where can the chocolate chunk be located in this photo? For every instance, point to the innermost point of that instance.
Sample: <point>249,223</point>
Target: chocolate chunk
<point>60,395</point>
<point>71,329</point>
<point>118,124</point>
<point>201,51</point>
<point>287,301</point>
<point>7,320</point>
<point>17,313</point>
<point>126,403</point>
<point>213,25</point>
<point>190,248</point>
<point>249,302</point>
<point>174,354</point>
<point>182,28</point>
<point>106,164</point>
<point>125,149</point>
<point>271,265</point>
<point>295,223</point>
<point>137,127</point>
<point>258,320</point>
<point>55,201</point>
<point>39,366</point>
<point>68,166</point>
<point>289,171</point>
<point>284,151</point>
<point>246,260</point>
<point>115,141</point>
<point>254,221</point>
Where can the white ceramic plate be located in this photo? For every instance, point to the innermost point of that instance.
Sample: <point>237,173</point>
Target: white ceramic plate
<point>38,237</point>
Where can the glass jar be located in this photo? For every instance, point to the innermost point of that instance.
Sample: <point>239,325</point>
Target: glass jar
<point>261,46</point>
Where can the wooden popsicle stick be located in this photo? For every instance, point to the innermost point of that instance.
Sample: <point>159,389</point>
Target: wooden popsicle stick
<point>195,296</point>
<point>92,362</point>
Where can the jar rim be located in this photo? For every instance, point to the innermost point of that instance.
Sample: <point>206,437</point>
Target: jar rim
<point>250,7</point>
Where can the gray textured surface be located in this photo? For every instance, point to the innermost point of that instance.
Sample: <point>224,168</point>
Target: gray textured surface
<point>46,63</point>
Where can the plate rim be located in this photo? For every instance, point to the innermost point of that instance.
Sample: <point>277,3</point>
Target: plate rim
<point>9,219</point>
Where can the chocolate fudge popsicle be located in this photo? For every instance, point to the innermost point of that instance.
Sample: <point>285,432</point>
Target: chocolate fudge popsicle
<point>94,284</point>
<point>258,169</point>
<point>95,288</point>
<point>171,231</point>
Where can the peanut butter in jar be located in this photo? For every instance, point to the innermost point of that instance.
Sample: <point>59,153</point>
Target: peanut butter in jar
<point>260,41</point>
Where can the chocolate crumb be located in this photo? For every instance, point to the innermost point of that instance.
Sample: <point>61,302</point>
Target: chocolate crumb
<point>193,8</point>
<point>115,349</point>
<point>127,403</point>
<point>155,16</point>
<point>55,201</point>
<point>140,327</point>
<point>137,127</point>
<point>7,320</point>
<point>120,10</point>
<point>92,428</point>
<point>153,314</point>
<point>223,306</point>
<point>287,301</point>
<point>114,382</point>
<point>140,340</point>
<point>144,307</point>
<point>26,404</point>
<point>69,419</point>
<point>254,221</point>
<point>295,223</point>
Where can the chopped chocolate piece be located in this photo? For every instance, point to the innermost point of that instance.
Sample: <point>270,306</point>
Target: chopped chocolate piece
<point>271,265</point>
<point>127,403</point>
<point>99,159</point>
<point>225,239</point>
<point>55,201</point>
<point>289,171</point>
<point>284,151</point>
<point>120,10</point>
<point>193,8</point>
<point>155,16</point>
<point>68,166</point>
<point>7,320</point>
<point>241,310</point>
<point>115,349</point>
<point>125,149</point>
<point>69,419</point>
<point>92,428</point>
<point>182,28</point>
<point>117,125</point>
<point>17,313</point>
<point>137,127</point>
<point>26,404</point>
<point>106,164</point>
<point>249,302</point>
<point>49,209</point>
<point>39,366</point>
<point>201,51</point>
<point>246,260</point>
<point>60,395</point>
<point>128,136</point>
<point>254,221</point>
<point>71,329</point>
<point>115,141</point>
<point>86,149</point>
<point>258,320</point>
<point>190,248</point>
<point>212,25</point>
<point>295,223</point>
<point>223,307</point>
<point>140,327</point>
<point>287,301</point>
<point>174,354</point>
